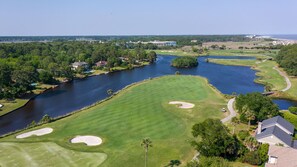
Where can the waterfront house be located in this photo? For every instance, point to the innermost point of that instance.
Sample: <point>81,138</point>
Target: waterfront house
<point>101,63</point>
<point>79,64</point>
<point>275,131</point>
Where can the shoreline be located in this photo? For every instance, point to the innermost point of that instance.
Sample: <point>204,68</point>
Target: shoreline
<point>219,93</point>
<point>33,96</point>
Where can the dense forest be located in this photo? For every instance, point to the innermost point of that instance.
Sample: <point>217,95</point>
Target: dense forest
<point>287,59</point>
<point>185,62</point>
<point>22,64</point>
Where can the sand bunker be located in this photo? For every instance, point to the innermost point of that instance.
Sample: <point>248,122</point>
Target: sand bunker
<point>39,132</point>
<point>88,140</point>
<point>183,105</point>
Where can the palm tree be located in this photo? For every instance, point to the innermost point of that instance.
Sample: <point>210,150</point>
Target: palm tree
<point>249,116</point>
<point>251,143</point>
<point>146,143</point>
<point>234,121</point>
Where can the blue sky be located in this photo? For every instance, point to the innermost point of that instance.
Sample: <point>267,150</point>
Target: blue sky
<point>150,17</point>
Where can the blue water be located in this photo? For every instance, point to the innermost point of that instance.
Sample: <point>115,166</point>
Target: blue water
<point>289,36</point>
<point>81,93</point>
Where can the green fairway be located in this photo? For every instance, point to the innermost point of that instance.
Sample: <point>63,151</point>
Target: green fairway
<point>234,62</point>
<point>46,154</point>
<point>122,122</point>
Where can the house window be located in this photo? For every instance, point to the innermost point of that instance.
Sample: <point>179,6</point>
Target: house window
<point>272,160</point>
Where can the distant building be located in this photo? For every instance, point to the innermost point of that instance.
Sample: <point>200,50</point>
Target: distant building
<point>163,43</point>
<point>194,41</point>
<point>275,131</point>
<point>77,65</point>
<point>101,63</point>
<point>281,157</point>
<point>159,43</point>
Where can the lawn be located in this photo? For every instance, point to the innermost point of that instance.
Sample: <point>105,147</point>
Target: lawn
<point>234,62</point>
<point>122,122</point>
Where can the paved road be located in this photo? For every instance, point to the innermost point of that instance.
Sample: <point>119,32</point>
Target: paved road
<point>231,110</point>
<point>289,84</point>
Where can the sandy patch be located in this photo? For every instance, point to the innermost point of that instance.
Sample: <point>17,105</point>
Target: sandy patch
<point>39,132</point>
<point>183,105</point>
<point>88,140</point>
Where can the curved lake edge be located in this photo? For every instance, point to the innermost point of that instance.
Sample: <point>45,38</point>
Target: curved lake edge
<point>32,97</point>
<point>278,95</point>
<point>63,111</point>
<point>225,96</point>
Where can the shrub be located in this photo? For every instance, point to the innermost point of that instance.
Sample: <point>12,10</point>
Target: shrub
<point>293,110</point>
<point>252,158</point>
<point>243,134</point>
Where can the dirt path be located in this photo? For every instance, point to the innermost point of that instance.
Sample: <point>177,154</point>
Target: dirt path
<point>289,84</point>
<point>231,110</point>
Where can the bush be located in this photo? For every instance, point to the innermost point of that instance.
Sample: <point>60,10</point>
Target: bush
<point>252,158</point>
<point>45,119</point>
<point>293,110</point>
<point>213,162</point>
<point>185,62</point>
<point>243,134</point>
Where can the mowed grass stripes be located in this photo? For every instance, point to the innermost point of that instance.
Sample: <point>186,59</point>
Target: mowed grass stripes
<point>138,112</point>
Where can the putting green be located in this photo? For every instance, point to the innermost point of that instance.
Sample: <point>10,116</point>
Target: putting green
<point>137,112</point>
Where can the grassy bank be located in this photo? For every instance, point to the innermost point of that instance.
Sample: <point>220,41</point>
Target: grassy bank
<point>122,122</point>
<point>11,105</point>
<point>267,76</point>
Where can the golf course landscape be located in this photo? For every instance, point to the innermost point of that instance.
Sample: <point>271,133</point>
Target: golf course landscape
<point>138,112</point>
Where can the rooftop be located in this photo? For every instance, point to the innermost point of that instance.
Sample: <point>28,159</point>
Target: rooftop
<point>277,132</point>
<point>278,120</point>
<point>286,157</point>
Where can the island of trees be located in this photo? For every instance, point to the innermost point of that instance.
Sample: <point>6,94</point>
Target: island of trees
<point>185,62</point>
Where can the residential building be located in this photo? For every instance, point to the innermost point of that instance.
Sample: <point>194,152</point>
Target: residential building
<point>281,157</point>
<point>101,63</point>
<point>275,131</point>
<point>77,65</point>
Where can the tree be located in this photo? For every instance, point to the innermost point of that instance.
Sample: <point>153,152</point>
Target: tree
<point>263,152</point>
<point>146,143</point>
<point>251,143</point>
<point>173,163</point>
<point>45,119</point>
<point>213,162</point>
<point>255,106</point>
<point>46,77</point>
<point>152,56</point>
<point>249,116</point>
<point>234,121</point>
<point>215,139</point>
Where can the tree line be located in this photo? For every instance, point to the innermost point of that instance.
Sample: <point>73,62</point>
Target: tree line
<point>287,59</point>
<point>22,64</point>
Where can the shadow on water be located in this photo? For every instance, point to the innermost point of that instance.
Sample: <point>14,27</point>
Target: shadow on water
<point>81,93</point>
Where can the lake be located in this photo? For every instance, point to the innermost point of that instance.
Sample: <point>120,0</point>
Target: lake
<point>81,93</point>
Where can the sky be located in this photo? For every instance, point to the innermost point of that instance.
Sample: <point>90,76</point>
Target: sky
<point>149,17</point>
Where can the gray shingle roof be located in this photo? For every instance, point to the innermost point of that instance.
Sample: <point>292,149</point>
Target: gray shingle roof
<point>278,120</point>
<point>277,132</point>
